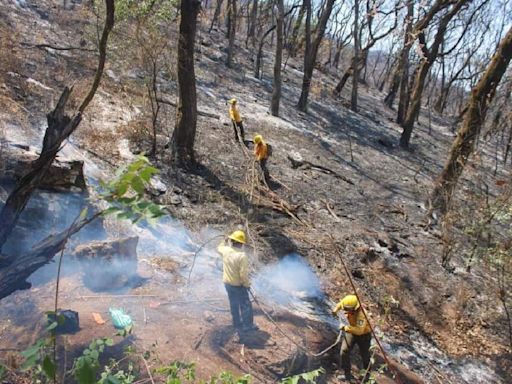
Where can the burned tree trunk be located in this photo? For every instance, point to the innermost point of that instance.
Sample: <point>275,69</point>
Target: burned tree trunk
<point>401,74</point>
<point>463,146</point>
<point>231,32</point>
<point>14,270</point>
<point>311,53</point>
<point>251,24</point>
<point>184,134</point>
<point>355,62</point>
<point>13,276</point>
<point>292,42</point>
<point>60,127</point>
<point>429,56</point>
<point>215,18</point>
<point>276,91</point>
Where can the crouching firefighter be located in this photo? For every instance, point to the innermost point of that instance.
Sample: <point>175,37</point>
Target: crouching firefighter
<point>236,280</point>
<point>262,151</point>
<point>357,332</point>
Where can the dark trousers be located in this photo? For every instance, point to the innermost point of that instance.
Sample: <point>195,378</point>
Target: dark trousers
<point>240,306</point>
<point>239,131</point>
<point>264,169</point>
<point>363,342</point>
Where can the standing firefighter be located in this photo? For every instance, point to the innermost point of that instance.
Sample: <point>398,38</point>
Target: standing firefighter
<point>261,153</point>
<point>236,280</point>
<point>236,120</point>
<point>357,332</point>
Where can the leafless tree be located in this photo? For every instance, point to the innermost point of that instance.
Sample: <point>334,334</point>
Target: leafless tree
<point>373,9</point>
<point>429,55</point>
<point>312,46</point>
<point>231,30</point>
<point>276,90</point>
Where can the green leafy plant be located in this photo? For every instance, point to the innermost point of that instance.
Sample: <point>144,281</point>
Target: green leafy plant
<point>86,367</point>
<point>125,193</point>
<point>308,377</point>
<point>112,375</point>
<point>177,371</point>
<point>39,357</point>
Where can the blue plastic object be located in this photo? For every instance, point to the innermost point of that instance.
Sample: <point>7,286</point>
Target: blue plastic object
<point>120,319</point>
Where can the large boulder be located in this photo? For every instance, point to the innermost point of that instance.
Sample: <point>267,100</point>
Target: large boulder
<point>62,174</point>
<point>109,265</point>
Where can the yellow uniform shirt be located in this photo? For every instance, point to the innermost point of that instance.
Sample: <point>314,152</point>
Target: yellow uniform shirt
<point>261,151</point>
<point>234,114</point>
<point>357,320</point>
<point>235,266</point>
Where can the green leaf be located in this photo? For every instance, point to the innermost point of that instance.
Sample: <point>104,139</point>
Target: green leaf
<point>52,326</point>
<point>3,370</point>
<point>109,342</point>
<point>33,350</point>
<point>147,173</point>
<point>110,211</point>
<point>95,354</point>
<point>49,367</point>
<point>29,363</point>
<point>121,189</point>
<point>86,374</point>
<point>138,185</point>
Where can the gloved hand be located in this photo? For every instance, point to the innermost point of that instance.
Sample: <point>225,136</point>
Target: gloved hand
<point>343,328</point>
<point>334,312</point>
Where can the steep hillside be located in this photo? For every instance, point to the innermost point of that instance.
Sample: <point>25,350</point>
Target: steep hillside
<point>356,200</point>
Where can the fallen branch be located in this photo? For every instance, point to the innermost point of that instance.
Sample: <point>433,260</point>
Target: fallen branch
<point>49,46</point>
<point>304,164</point>
<point>338,220</point>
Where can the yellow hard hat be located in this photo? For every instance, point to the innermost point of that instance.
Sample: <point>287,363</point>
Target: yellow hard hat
<point>238,236</point>
<point>258,139</point>
<point>350,303</point>
<point>232,101</point>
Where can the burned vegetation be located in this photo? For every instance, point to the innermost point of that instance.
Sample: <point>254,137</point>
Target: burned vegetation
<point>243,191</point>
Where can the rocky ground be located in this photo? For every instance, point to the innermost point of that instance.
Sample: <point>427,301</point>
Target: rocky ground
<point>365,195</point>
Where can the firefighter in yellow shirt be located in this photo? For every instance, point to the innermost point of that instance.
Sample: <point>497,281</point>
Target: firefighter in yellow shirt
<point>357,332</point>
<point>261,153</point>
<point>236,120</point>
<point>235,276</point>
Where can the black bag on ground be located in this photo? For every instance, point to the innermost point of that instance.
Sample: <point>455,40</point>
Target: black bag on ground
<point>67,321</point>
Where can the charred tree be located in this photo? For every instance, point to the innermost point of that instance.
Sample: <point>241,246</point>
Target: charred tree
<point>14,275</point>
<point>463,146</point>
<point>293,41</point>
<point>251,24</point>
<point>276,90</point>
<point>14,269</point>
<point>401,74</point>
<point>60,127</point>
<point>312,49</point>
<point>355,60</point>
<point>231,32</point>
<point>360,59</point>
<point>215,18</point>
<point>429,56</point>
<point>184,134</point>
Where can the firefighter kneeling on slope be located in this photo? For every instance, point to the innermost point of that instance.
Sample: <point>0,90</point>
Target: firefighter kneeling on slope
<point>235,276</point>
<point>357,332</point>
